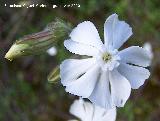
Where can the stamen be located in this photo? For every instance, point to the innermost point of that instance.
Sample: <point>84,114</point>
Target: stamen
<point>106,57</point>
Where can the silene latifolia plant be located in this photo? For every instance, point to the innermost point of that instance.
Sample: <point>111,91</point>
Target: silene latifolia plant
<point>104,75</point>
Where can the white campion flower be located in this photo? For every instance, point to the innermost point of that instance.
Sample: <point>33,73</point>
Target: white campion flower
<point>107,76</point>
<point>52,51</point>
<point>86,111</point>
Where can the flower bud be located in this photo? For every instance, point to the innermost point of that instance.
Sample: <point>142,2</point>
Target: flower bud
<point>39,42</point>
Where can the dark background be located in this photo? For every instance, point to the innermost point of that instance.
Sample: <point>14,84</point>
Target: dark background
<point>26,95</point>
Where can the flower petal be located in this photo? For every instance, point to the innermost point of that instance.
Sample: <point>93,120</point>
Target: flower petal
<point>84,85</point>
<point>77,109</point>
<point>98,113</point>
<point>110,115</point>
<point>120,88</point>
<point>148,47</point>
<point>81,49</point>
<point>135,75</point>
<point>101,114</point>
<point>116,32</point>
<point>86,111</point>
<point>68,72</point>
<point>101,94</point>
<point>89,108</point>
<point>86,33</point>
<point>135,55</point>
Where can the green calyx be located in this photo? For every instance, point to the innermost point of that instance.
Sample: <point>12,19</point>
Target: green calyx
<point>39,42</point>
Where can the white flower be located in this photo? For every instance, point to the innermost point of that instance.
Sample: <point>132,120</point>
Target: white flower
<point>148,47</point>
<point>107,76</point>
<point>52,51</point>
<point>86,111</point>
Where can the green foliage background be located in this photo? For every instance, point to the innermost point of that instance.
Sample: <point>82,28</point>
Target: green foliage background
<point>26,95</point>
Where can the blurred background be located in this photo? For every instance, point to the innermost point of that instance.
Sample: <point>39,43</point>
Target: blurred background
<point>26,95</point>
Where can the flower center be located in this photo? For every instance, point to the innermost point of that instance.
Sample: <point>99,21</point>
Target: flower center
<point>106,57</point>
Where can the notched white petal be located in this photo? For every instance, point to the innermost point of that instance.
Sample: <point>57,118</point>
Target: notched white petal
<point>116,32</point>
<point>135,55</point>
<point>80,48</point>
<point>86,33</point>
<point>71,69</point>
<point>84,85</point>
<point>101,94</point>
<point>135,75</point>
<point>110,115</point>
<point>77,109</point>
<point>120,88</point>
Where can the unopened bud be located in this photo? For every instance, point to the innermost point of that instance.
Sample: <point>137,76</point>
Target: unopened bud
<point>39,42</point>
<point>54,75</point>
